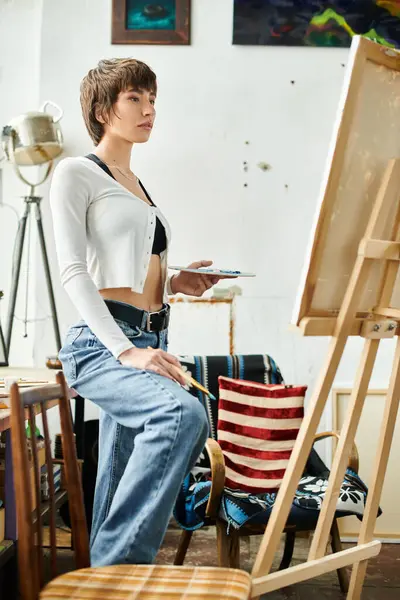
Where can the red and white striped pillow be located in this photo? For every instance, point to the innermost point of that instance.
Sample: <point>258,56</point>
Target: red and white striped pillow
<point>257,428</point>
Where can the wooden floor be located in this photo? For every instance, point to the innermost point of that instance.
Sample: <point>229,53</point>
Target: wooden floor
<point>383,580</point>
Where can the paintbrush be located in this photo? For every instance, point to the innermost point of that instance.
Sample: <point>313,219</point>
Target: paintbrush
<point>196,384</point>
<point>192,381</point>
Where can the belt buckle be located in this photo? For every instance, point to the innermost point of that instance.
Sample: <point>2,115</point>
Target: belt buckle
<point>163,314</point>
<point>148,321</point>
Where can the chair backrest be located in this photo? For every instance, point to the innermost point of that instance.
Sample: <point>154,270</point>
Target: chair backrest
<point>260,368</point>
<point>25,404</point>
<point>257,429</point>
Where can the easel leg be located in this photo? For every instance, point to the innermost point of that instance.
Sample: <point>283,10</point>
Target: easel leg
<point>347,435</point>
<point>305,438</point>
<point>379,472</point>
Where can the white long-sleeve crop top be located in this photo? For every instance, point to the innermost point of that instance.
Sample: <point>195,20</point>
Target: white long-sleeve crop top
<point>103,236</point>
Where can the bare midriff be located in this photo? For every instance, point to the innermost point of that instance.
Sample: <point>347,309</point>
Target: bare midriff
<point>152,297</point>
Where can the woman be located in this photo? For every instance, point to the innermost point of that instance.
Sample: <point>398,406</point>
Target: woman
<point>112,244</point>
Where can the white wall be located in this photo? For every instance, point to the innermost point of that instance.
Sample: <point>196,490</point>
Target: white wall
<point>213,98</point>
<point>20,33</point>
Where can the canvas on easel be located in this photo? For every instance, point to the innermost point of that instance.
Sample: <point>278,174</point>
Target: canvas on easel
<point>349,287</point>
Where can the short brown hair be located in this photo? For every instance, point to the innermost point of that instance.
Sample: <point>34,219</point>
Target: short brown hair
<point>101,86</point>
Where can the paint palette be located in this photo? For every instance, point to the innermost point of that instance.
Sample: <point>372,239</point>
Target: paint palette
<point>219,272</point>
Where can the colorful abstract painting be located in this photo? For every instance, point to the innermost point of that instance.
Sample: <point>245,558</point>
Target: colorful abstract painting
<point>315,22</point>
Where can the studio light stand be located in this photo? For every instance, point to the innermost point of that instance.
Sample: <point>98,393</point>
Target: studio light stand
<point>32,202</point>
<point>30,140</point>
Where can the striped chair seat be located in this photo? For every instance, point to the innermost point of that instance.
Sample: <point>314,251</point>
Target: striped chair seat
<point>149,582</point>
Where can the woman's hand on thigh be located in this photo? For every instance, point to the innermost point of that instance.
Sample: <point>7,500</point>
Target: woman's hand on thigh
<point>158,361</point>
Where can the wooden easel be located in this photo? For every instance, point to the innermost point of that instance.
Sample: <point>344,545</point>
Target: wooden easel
<point>355,300</point>
<point>382,324</point>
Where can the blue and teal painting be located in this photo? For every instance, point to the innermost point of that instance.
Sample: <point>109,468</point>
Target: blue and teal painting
<point>141,14</point>
<point>316,22</point>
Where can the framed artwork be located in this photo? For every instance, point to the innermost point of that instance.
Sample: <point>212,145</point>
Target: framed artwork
<point>315,22</point>
<point>144,22</point>
<point>388,524</point>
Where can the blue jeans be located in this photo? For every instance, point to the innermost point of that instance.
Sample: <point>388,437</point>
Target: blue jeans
<point>151,434</point>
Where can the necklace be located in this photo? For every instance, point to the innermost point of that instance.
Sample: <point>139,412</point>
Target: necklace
<point>131,176</point>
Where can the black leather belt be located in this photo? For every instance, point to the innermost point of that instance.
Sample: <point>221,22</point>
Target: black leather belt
<point>147,321</point>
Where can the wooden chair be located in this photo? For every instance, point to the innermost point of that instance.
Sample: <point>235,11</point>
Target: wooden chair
<point>228,545</point>
<point>125,581</point>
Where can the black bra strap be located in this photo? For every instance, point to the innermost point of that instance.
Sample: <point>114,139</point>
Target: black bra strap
<point>146,193</point>
<point>101,164</point>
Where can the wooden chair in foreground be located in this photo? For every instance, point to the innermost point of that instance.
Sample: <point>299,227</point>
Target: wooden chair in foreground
<point>228,544</point>
<point>142,582</point>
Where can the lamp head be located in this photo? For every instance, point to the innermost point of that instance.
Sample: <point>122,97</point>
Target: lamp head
<point>33,138</point>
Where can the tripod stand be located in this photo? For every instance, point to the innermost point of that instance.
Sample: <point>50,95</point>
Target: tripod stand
<point>30,201</point>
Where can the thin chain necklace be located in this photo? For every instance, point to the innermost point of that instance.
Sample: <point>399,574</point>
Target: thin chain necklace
<point>131,177</point>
